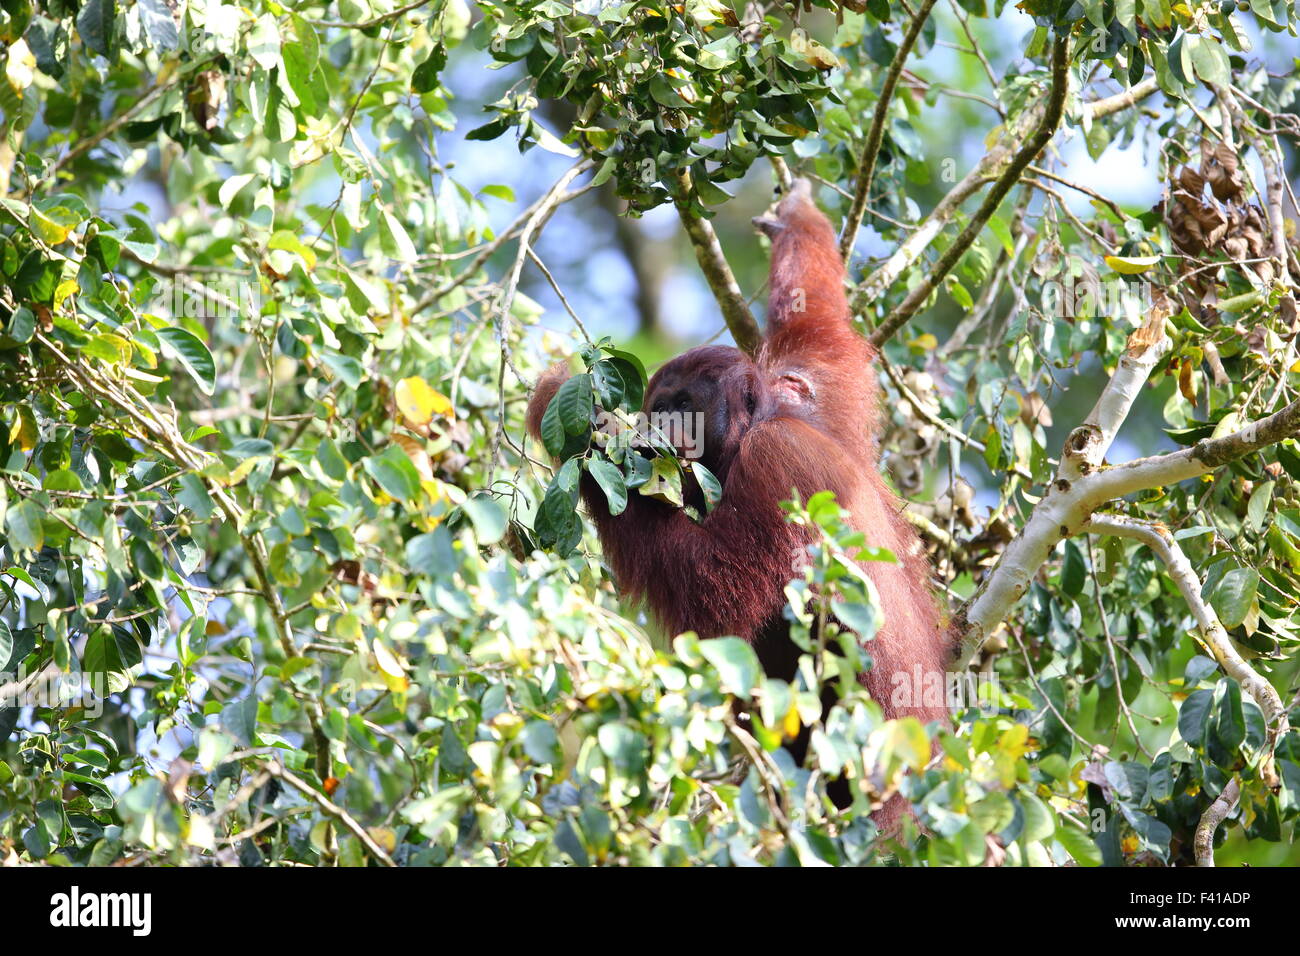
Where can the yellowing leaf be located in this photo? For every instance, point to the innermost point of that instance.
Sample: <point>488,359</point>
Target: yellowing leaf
<point>790,726</point>
<point>386,837</point>
<point>64,289</point>
<point>49,230</point>
<point>437,491</point>
<point>1187,381</point>
<point>390,669</point>
<point>924,343</point>
<point>813,52</point>
<point>415,451</point>
<point>1131,265</point>
<point>287,241</point>
<point>1014,740</point>
<point>23,431</point>
<point>242,471</point>
<point>419,402</point>
<point>20,66</point>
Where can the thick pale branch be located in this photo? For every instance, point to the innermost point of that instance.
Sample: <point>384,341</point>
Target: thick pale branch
<point>1158,538</point>
<point>1087,445</point>
<point>1031,147</point>
<point>1084,483</point>
<point>871,148</point>
<point>717,272</point>
<point>1214,814</point>
<point>1110,105</point>
<point>1203,457</point>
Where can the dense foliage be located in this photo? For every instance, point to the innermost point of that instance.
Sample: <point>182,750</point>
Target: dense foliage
<point>281,579</point>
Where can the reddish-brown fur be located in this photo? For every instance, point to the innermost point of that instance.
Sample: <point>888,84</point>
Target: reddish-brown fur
<point>804,414</point>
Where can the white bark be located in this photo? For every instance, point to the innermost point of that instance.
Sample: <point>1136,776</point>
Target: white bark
<point>1084,482</point>
<point>1158,539</point>
<point>1080,486</point>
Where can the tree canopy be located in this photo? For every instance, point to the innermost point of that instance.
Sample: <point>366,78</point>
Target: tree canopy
<point>283,581</point>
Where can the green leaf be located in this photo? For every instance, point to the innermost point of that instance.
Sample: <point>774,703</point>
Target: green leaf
<point>1040,822</point>
<point>1234,598</point>
<point>489,131</point>
<point>23,525</point>
<point>610,479</point>
<point>239,718</point>
<point>103,662</point>
<point>264,42</point>
<point>22,324</point>
<point>1079,845</point>
<point>709,485</point>
<point>192,354</point>
<point>1074,572</point>
<point>394,473</point>
<point>1209,60</point>
<point>1258,508</point>
<point>394,239</point>
<point>1288,455</point>
<point>425,76</point>
<point>1229,725</point>
<point>557,524</point>
<point>250,448</point>
<point>574,404</point>
<point>288,241</point>
<point>193,495</point>
<point>1198,668</point>
<point>736,664</point>
<point>487,516</point>
<point>1194,716</point>
<point>159,25</point>
<point>554,437</point>
<point>349,371</point>
<point>96,24</point>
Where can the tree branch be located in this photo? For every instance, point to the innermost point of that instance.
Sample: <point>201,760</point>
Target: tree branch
<point>533,219</point>
<point>331,808</point>
<point>1158,539</point>
<point>1042,134</point>
<point>717,272</point>
<point>1214,814</point>
<point>1084,483</point>
<point>882,278</point>
<point>871,148</point>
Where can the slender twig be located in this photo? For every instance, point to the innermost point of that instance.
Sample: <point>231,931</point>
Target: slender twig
<point>117,122</point>
<point>901,313</point>
<point>548,198</point>
<point>1077,187</point>
<point>876,134</point>
<point>331,808</point>
<point>373,21</point>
